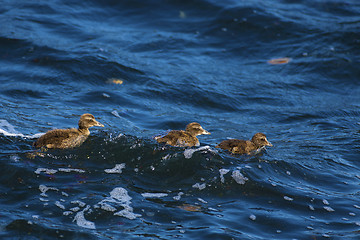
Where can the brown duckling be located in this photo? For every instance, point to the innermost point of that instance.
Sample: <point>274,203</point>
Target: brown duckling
<point>257,142</point>
<point>68,138</point>
<point>187,138</point>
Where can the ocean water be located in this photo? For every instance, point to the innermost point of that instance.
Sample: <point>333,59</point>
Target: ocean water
<point>145,67</point>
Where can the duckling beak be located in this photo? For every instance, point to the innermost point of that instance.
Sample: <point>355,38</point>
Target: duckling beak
<point>205,132</point>
<point>99,124</point>
<point>269,144</point>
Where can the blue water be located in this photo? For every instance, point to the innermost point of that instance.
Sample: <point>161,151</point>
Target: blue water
<point>181,61</point>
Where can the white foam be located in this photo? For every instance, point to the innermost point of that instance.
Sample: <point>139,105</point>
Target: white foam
<point>58,204</point>
<point>117,169</point>
<point>43,189</point>
<point>45,170</point>
<point>238,177</point>
<point>329,209</point>
<point>199,186</point>
<point>8,130</point>
<point>82,222</point>
<point>154,195</point>
<point>222,172</point>
<point>178,197</point>
<point>115,113</point>
<point>107,207</point>
<point>288,198</point>
<point>71,170</point>
<point>75,209</point>
<point>80,203</point>
<point>119,197</point>
<point>67,213</point>
<point>202,200</point>
<point>252,217</point>
<point>189,152</point>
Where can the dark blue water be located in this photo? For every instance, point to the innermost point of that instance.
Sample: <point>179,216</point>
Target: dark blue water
<point>181,61</point>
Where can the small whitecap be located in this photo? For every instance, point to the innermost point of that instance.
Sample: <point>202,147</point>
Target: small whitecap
<point>252,217</point>
<point>15,158</point>
<point>352,214</point>
<point>117,169</point>
<point>199,186</point>
<point>71,170</point>
<point>108,207</point>
<point>288,198</point>
<point>222,172</point>
<point>238,177</point>
<point>310,227</point>
<point>59,205</point>
<point>82,222</point>
<point>127,213</point>
<point>43,189</point>
<point>106,95</point>
<point>202,200</point>
<point>325,202</point>
<point>46,171</point>
<point>188,153</point>
<point>67,213</point>
<point>357,206</point>
<point>75,209</point>
<point>115,113</point>
<point>178,197</point>
<point>311,208</point>
<point>154,195</point>
<point>80,203</point>
<point>329,209</point>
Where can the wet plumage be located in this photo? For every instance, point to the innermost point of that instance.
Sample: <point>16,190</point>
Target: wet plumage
<point>68,138</point>
<point>181,138</point>
<point>257,142</point>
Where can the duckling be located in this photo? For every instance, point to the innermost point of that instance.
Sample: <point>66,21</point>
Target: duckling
<point>257,143</point>
<point>187,138</point>
<point>68,138</point>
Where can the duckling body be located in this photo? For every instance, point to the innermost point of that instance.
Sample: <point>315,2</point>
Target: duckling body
<point>238,146</point>
<point>68,138</point>
<point>181,138</point>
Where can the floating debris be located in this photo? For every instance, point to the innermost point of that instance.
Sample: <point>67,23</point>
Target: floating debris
<point>190,208</point>
<point>115,81</point>
<point>277,61</point>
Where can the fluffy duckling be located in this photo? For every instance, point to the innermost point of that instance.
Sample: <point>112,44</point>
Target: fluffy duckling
<point>187,138</point>
<point>68,138</point>
<point>257,142</point>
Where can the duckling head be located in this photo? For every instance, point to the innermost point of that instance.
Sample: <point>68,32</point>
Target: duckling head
<point>88,120</point>
<point>260,140</point>
<point>195,129</point>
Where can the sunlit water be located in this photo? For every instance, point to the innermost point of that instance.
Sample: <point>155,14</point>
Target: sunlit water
<point>144,67</point>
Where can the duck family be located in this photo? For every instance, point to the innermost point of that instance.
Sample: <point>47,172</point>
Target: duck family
<point>74,137</point>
